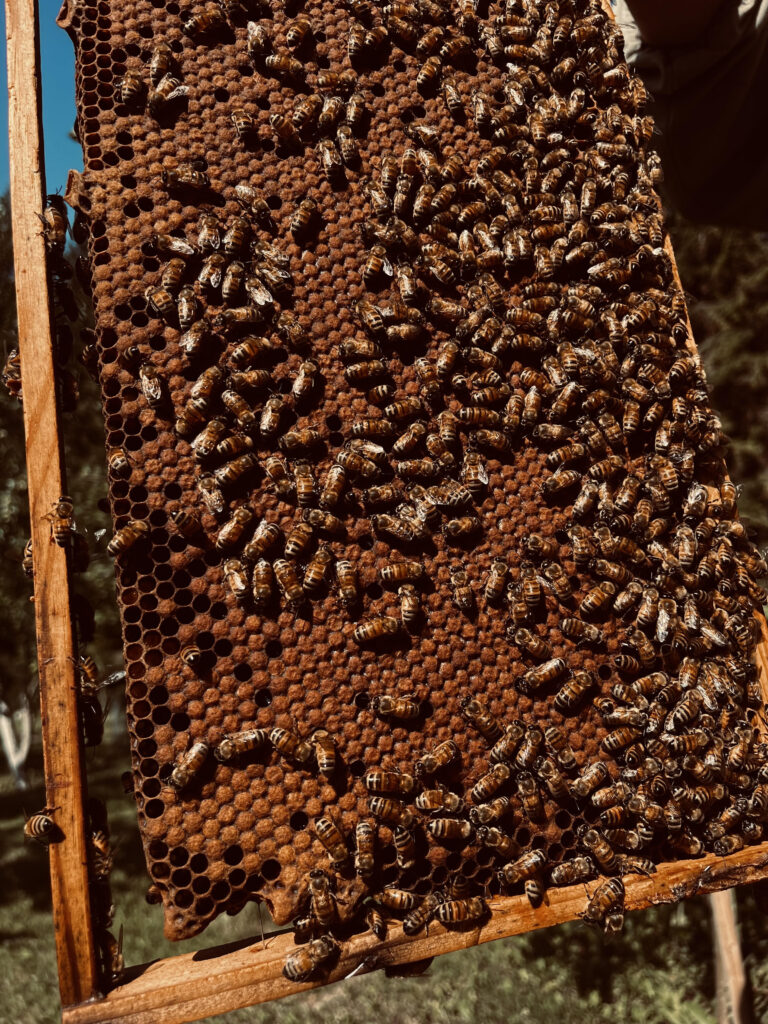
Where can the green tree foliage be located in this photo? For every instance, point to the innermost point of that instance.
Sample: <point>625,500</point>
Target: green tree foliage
<point>725,275</point>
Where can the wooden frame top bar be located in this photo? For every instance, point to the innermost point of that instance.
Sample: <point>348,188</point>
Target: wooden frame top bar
<point>55,643</point>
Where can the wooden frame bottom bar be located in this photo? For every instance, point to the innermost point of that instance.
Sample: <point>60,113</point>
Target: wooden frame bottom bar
<point>194,985</point>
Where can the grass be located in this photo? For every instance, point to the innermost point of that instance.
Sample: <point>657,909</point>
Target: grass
<point>659,971</point>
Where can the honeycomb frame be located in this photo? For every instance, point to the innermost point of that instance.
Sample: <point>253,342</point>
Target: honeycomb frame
<point>245,834</point>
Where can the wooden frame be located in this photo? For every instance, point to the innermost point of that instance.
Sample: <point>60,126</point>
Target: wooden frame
<point>190,986</point>
<point>64,776</point>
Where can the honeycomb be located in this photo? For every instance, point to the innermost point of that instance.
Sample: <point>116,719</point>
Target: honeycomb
<point>575,338</point>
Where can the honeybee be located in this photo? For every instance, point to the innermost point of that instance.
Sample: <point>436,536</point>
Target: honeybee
<point>112,952</point>
<point>591,778</point>
<point>442,757</point>
<point>152,386</point>
<point>330,160</point>
<point>287,69</point>
<point>489,783</point>
<point>231,473</point>
<point>271,416</point>
<point>170,245</point>
<point>542,675</point>
<point>334,487</point>
<point>62,520</point>
<point>303,484</point>
<point>27,560</point>
<point>405,847</point>
<point>463,595</point>
<point>192,417</point>
<point>404,708</point>
<point>436,801</point>
<point>189,765</point>
<point>288,580</point>
<point>461,529</point>
<point>375,629</point>
<point>304,218</point>
<point>277,471</point>
<point>236,578</point>
<point>303,962</point>
<point>529,865</point>
<point>410,606</point>
<point>365,845</point>
<point>597,598</point>
<point>128,535</point>
<point>378,781</point>
<point>185,179</point>
<point>473,473</point>
<point>186,523</point>
<point>317,570</point>
<point>290,746</point>
<point>306,381</point>
<point>55,224</point>
<point>450,829</point>
<point>606,905</point>
<point>191,655</point>
<point>302,440</point>
<point>262,586</point>
<point>571,872</point>
<point>41,827</point>
<point>230,535</point>
<point>496,582</point>
<point>401,901</point>
<point>131,89</point>
<point>346,577</point>
<point>450,912</point>
<point>497,840</point>
<point>429,75</point>
<point>600,849</point>
<point>504,749</point>
<point>265,537</point>
<point>240,743</point>
<point>480,718</point>
<point>530,643</point>
<point>558,580</point>
<point>164,96</point>
<point>245,126</point>
<point>419,917</point>
<point>322,901</point>
<point>583,632</point>
<point>162,62</point>
<point>394,812</point>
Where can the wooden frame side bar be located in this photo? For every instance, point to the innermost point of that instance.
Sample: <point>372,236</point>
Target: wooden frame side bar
<point>64,782</point>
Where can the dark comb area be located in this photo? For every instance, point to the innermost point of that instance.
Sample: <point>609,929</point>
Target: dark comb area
<point>430,574</point>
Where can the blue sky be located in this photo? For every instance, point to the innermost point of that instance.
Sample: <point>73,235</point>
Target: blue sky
<point>58,63</point>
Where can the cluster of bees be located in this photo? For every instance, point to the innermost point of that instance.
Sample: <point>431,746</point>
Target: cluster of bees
<point>541,264</point>
<point>65,278</point>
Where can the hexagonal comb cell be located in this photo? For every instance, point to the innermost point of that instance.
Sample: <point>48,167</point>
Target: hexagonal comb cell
<point>425,552</point>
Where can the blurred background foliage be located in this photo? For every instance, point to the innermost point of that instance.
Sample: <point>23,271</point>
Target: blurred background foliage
<point>659,971</point>
<point>725,277</point>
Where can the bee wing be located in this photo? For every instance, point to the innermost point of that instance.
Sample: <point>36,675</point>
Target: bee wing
<point>113,679</point>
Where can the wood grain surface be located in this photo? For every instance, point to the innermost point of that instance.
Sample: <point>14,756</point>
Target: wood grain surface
<point>53,620</point>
